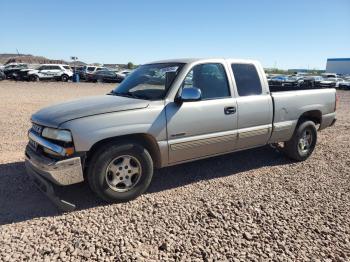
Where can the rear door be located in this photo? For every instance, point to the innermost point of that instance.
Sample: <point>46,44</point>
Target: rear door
<point>55,71</point>
<point>203,128</point>
<point>254,105</point>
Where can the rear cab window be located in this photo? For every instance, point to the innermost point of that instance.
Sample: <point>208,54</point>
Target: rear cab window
<point>247,79</point>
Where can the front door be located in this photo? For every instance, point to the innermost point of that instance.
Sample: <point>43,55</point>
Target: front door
<point>206,127</point>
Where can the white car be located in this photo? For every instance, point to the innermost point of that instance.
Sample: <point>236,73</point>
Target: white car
<point>51,71</point>
<point>94,69</point>
<point>331,82</point>
<point>123,74</point>
<point>345,85</point>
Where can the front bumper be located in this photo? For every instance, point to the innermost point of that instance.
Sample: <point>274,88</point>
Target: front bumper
<point>63,173</point>
<point>48,174</point>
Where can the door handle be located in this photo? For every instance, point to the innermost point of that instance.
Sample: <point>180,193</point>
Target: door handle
<point>229,110</point>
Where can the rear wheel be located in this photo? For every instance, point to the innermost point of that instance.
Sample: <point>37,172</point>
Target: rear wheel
<point>303,142</point>
<point>120,172</point>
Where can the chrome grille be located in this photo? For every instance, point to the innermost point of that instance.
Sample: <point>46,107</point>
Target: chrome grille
<point>37,129</point>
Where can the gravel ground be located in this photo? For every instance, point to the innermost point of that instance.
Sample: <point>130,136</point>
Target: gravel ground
<point>252,205</point>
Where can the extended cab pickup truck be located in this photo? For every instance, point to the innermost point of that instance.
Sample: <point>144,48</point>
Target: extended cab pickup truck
<point>166,113</point>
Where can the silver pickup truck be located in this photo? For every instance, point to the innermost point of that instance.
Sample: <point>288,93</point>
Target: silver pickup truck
<point>166,113</point>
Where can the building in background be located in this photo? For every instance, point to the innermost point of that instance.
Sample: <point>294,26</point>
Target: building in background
<point>338,65</point>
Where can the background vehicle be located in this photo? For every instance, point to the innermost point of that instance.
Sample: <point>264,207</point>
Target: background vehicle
<point>331,82</point>
<point>104,76</point>
<point>166,113</point>
<point>51,71</point>
<point>14,68</point>
<point>2,75</point>
<point>345,85</point>
<point>312,81</point>
<point>294,81</point>
<point>90,70</point>
<point>285,82</point>
<point>329,75</point>
<point>123,74</point>
<point>22,75</point>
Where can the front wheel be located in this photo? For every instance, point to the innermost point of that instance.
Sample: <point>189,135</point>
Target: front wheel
<point>34,78</point>
<point>303,142</point>
<point>120,172</point>
<point>64,78</point>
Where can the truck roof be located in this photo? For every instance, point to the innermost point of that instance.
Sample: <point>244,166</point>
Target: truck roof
<point>193,60</point>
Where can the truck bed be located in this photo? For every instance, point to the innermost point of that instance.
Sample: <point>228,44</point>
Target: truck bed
<point>288,106</point>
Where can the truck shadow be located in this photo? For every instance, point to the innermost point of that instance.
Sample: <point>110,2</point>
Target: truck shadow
<point>20,200</point>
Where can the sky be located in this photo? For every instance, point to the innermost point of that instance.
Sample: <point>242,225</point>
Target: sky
<point>279,33</point>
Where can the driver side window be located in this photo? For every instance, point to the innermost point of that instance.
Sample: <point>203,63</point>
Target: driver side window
<point>210,78</point>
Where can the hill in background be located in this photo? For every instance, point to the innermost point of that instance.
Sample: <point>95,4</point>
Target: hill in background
<point>31,59</point>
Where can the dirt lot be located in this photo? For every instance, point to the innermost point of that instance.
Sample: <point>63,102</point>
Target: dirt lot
<point>252,205</point>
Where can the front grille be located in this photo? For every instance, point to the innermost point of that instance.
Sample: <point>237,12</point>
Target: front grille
<point>37,128</point>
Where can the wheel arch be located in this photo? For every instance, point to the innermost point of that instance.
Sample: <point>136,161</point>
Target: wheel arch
<point>313,115</point>
<point>144,139</point>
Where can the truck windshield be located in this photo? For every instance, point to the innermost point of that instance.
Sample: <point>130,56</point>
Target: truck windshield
<point>151,81</point>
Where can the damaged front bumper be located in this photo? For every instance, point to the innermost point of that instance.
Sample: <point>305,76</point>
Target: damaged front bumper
<point>48,174</point>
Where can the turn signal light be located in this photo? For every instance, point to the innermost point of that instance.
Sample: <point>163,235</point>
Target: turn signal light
<point>69,151</point>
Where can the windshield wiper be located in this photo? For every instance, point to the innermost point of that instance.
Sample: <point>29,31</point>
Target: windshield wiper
<point>131,94</point>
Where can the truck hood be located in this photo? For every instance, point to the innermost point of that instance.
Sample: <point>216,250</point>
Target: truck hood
<point>55,115</point>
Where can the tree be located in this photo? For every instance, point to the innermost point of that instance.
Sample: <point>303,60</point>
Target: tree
<point>130,65</point>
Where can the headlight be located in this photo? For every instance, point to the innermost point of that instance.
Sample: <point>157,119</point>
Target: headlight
<point>57,134</point>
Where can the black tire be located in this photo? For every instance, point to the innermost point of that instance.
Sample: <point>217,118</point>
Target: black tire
<point>293,148</point>
<point>102,158</point>
<point>64,78</point>
<point>34,78</point>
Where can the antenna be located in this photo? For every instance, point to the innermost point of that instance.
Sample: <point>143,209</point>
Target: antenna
<point>17,52</point>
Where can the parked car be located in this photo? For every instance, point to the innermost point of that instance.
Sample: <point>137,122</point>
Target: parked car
<point>51,72</point>
<point>329,75</point>
<point>331,82</point>
<point>166,113</point>
<point>13,69</point>
<point>90,70</point>
<point>345,85</point>
<point>312,81</point>
<point>294,81</point>
<point>123,74</point>
<point>105,76</point>
<point>22,75</point>
<point>2,75</point>
<point>285,82</point>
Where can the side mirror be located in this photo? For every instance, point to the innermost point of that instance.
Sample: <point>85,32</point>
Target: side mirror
<point>189,94</point>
